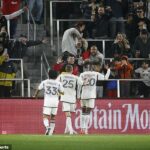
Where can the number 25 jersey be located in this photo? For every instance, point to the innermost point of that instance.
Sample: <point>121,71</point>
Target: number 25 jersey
<point>70,83</point>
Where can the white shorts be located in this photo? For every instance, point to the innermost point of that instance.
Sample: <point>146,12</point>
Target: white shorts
<point>90,103</point>
<point>68,107</point>
<point>50,110</point>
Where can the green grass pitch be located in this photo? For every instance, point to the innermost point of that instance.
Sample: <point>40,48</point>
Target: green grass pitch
<point>77,142</point>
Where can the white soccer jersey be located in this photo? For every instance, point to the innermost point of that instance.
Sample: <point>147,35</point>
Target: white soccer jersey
<point>88,91</point>
<point>70,83</point>
<point>51,92</point>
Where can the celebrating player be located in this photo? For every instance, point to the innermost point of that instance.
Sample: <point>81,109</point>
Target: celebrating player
<point>52,90</point>
<point>70,83</point>
<point>88,94</point>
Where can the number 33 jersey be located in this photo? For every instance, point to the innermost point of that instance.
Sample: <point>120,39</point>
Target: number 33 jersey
<point>70,83</point>
<point>52,88</point>
<point>88,91</point>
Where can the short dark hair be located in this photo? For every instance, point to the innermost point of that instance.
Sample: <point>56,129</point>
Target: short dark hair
<point>79,24</point>
<point>69,68</point>
<point>53,74</point>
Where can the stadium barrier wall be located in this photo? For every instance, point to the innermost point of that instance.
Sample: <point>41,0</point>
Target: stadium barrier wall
<point>123,116</point>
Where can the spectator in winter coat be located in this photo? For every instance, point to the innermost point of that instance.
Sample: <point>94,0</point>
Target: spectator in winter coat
<point>124,70</point>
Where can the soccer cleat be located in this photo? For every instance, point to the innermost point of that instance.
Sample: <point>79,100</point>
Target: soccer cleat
<point>74,132</point>
<point>47,131</point>
<point>71,132</point>
<point>83,132</point>
<point>86,131</point>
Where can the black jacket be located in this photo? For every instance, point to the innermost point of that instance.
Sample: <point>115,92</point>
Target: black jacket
<point>17,49</point>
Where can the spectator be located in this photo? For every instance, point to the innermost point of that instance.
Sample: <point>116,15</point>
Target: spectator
<point>118,8</point>
<point>10,11</point>
<point>18,48</point>
<point>141,21</point>
<point>70,39</point>
<point>95,58</point>
<point>88,9</point>
<point>101,22</point>
<point>131,28</point>
<point>82,46</point>
<point>60,65</point>
<point>4,38</point>
<point>7,71</point>
<point>121,46</point>
<point>3,54</point>
<point>124,71</point>
<point>141,47</point>
<point>38,9</point>
<point>144,86</point>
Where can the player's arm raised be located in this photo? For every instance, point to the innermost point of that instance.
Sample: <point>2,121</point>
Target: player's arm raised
<point>40,87</point>
<point>108,72</point>
<point>36,93</point>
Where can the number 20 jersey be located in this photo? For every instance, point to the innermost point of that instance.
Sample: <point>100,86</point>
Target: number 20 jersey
<point>88,91</point>
<point>52,88</point>
<point>70,83</point>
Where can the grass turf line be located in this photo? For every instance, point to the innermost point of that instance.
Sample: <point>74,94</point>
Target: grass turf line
<point>77,142</point>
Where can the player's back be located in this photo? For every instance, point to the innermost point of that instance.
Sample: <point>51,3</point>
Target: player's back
<point>88,91</point>
<point>69,82</point>
<point>51,91</point>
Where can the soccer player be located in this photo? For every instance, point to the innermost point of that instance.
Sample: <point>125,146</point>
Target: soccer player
<point>70,83</point>
<point>52,90</point>
<point>88,94</point>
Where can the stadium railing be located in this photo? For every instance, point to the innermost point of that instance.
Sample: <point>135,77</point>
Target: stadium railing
<point>58,20</point>
<point>51,18</point>
<point>44,66</point>
<point>118,83</point>
<point>21,78</point>
<point>22,89</point>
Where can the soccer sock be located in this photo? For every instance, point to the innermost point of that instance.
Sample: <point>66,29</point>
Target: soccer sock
<point>52,126</point>
<point>87,120</point>
<point>46,122</point>
<point>69,124</point>
<point>83,121</point>
<point>66,128</point>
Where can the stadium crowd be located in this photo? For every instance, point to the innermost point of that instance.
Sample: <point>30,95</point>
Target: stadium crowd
<point>125,22</point>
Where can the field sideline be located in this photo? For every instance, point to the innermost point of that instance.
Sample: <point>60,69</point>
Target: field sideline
<point>77,142</point>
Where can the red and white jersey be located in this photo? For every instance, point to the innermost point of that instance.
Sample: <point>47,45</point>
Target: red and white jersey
<point>52,89</point>
<point>88,91</point>
<point>70,83</point>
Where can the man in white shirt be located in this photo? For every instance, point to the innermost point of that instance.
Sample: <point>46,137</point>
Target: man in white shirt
<point>70,83</point>
<point>70,39</point>
<point>52,90</point>
<point>88,94</point>
<point>144,86</point>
